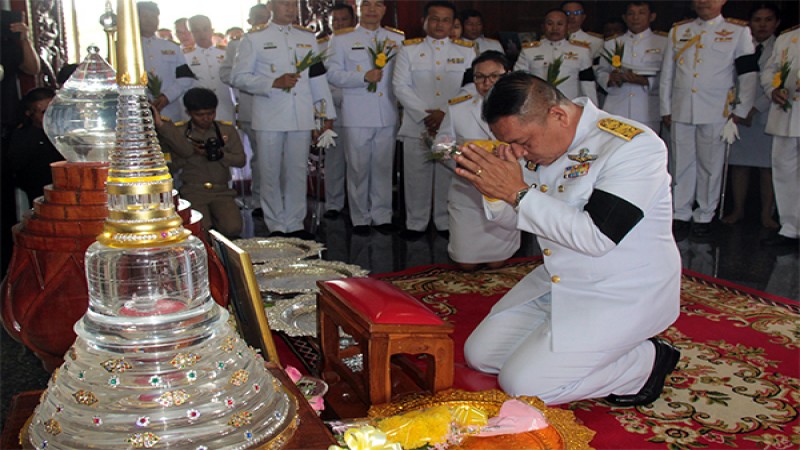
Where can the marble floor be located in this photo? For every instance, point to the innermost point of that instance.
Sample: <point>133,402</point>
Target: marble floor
<point>731,253</point>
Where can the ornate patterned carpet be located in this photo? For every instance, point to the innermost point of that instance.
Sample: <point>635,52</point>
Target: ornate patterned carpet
<point>737,384</point>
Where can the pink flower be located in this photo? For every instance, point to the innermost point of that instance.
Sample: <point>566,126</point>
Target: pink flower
<point>293,374</point>
<point>316,402</point>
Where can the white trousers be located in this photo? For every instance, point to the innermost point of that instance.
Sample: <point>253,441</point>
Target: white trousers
<point>516,344</point>
<point>426,184</point>
<point>247,128</point>
<point>335,173</point>
<point>698,156</point>
<point>786,181</point>
<point>370,157</point>
<point>283,162</point>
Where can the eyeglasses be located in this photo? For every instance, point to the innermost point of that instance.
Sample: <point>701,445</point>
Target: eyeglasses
<point>480,78</point>
<point>578,12</point>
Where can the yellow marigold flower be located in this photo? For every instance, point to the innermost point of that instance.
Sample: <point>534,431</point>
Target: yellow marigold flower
<point>776,80</point>
<point>380,61</point>
<point>616,61</point>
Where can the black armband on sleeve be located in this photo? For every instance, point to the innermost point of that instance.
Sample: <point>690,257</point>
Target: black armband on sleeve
<point>586,74</point>
<point>613,216</point>
<point>316,70</point>
<point>183,71</point>
<point>746,64</point>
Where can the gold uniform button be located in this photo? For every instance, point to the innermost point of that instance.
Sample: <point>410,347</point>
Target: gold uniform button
<point>561,188</point>
<point>438,63</point>
<point>380,94</point>
<point>694,90</point>
<point>547,252</point>
<point>555,278</point>
<point>696,75</point>
<point>544,188</point>
<point>438,78</point>
<point>208,185</point>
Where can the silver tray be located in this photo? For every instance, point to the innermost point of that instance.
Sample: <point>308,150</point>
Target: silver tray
<point>301,277</point>
<point>278,250</point>
<point>296,317</point>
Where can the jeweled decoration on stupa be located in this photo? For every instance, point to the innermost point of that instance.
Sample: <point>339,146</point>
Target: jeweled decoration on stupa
<point>155,364</point>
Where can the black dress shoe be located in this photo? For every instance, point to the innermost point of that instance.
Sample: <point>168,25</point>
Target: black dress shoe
<point>361,230</point>
<point>411,235</point>
<point>680,229</point>
<point>331,214</point>
<point>701,229</point>
<point>667,358</point>
<point>278,234</point>
<point>385,228</point>
<point>301,234</point>
<point>258,212</point>
<point>780,241</point>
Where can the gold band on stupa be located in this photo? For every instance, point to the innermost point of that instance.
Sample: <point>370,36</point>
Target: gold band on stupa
<point>141,208</point>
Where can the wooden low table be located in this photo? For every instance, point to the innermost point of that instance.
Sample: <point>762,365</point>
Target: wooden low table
<point>310,434</point>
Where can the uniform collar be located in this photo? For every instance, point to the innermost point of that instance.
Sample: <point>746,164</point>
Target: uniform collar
<point>433,41</point>
<point>586,123</point>
<point>642,35</point>
<point>554,43</point>
<point>367,30</point>
<point>710,23</point>
<point>281,28</point>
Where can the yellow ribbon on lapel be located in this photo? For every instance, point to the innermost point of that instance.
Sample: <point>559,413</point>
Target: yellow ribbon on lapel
<point>693,41</point>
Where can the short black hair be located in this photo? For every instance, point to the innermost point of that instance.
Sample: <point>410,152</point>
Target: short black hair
<point>199,98</point>
<point>492,55</point>
<point>35,95</point>
<point>772,6</point>
<point>439,4</point>
<point>228,31</point>
<point>563,4</point>
<point>552,10</point>
<point>468,14</point>
<point>181,20</point>
<point>640,3</point>
<point>145,6</point>
<point>520,94</point>
<point>344,7</point>
<point>198,18</point>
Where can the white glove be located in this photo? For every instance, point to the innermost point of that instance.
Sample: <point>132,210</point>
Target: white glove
<point>730,132</point>
<point>326,139</point>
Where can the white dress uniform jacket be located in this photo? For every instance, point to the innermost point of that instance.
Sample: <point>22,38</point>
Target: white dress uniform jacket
<point>643,54</point>
<point>484,44</point>
<point>785,127</point>
<point>607,291</point>
<point>473,238</point>
<point>593,40</point>
<point>205,64</point>
<point>576,65</point>
<point>165,59</point>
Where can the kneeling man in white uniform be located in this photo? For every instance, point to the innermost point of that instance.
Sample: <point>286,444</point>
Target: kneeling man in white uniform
<point>582,324</point>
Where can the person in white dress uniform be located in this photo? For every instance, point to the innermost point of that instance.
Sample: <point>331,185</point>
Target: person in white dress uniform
<point>165,60</point>
<point>704,59</point>
<point>205,60</point>
<point>283,113</point>
<point>633,87</point>
<point>368,119</point>
<point>576,16</point>
<point>475,240</point>
<point>428,72</point>
<point>576,61</point>
<point>580,325</point>
<point>472,23</point>
<point>783,123</point>
<point>754,146</point>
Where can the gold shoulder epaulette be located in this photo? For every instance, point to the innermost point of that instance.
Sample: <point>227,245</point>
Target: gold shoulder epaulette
<point>463,43</point>
<point>177,124</point>
<point>457,100</point>
<point>612,37</point>
<point>682,22</point>
<point>414,41</point>
<point>302,28</point>
<point>398,31</point>
<point>323,39</point>
<point>533,44</point>
<point>259,27</point>
<point>225,122</point>
<point>580,44</point>
<point>661,33</point>
<point>597,35</point>
<point>790,29</point>
<point>344,30</point>
<point>742,23</point>
<point>188,49</point>
<point>619,129</point>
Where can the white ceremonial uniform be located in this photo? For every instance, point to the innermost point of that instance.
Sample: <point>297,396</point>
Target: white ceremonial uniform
<point>282,120</point>
<point>428,72</point>
<point>473,238</point>
<point>368,119</point>
<point>537,56</point>
<point>163,58</point>
<point>335,164</point>
<point>244,113</point>
<point>754,147</point>
<point>576,327</point>
<point>698,72</point>
<point>205,64</point>
<point>643,54</point>
<point>593,40</point>
<point>784,126</point>
<point>484,44</point>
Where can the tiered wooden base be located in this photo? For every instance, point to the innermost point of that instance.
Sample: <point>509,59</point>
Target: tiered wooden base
<point>45,291</point>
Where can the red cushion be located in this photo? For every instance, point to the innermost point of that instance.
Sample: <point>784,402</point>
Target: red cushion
<point>381,302</point>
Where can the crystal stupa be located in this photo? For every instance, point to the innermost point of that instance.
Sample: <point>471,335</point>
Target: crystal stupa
<point>81,119</point>
<point>155,364</point>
